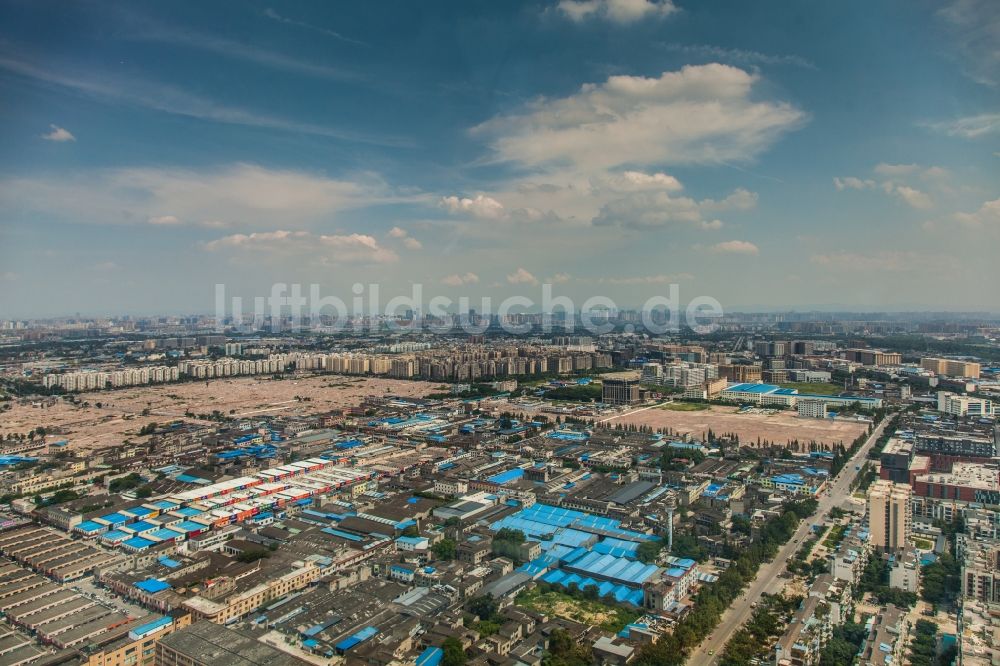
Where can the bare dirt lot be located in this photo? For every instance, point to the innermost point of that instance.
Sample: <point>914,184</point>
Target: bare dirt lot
<point>779,427</point>
<point>120,414</point>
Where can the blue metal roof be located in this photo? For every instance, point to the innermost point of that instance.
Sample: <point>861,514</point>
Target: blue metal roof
<point>152,586</point>
<point>432,656</point>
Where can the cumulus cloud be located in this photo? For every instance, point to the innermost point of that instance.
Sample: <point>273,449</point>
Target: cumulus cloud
<point>987,214</point>
<point>616,11</point>
<point>58,134</point>
<point>458,280</point>
<point>485,207</point>
<point>480,206</point>
<point>659,209</point>
<point>909,195</point>
<point>521,276</point>
<point>247,194</point>
<point>735,247</point>
<point>637,181</point>
<point>560,278</point>
<point>346,248</point>
<point>896,177</point>
<point>700,114</point>
<point>409,242</point>
<point>853,183</point>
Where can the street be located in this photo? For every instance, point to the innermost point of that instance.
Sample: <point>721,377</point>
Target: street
<point>767,579</point>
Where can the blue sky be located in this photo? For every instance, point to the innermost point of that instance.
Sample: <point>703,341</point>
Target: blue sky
<point>767,154</point>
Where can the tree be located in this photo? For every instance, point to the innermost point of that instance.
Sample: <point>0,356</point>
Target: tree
<point>941,580</point>
<point>484,607</point>
<point>454,655</point>
<point>564,651</point>
<point>648,550</point>
<point>444,549</point>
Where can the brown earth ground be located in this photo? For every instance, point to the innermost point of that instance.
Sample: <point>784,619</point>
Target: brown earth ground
<point>120,415</point>
<point>778,427</point>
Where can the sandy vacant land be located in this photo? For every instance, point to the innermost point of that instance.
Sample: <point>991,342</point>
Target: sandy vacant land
<point>120,415</point>
<point>779,427</point>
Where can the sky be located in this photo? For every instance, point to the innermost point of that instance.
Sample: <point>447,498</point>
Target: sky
<point>770,155</point>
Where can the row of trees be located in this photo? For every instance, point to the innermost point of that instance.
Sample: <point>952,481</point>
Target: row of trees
<point>767,622</point>
<point>712,600</point>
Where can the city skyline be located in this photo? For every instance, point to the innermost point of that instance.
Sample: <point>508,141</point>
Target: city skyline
<point>843,157</point>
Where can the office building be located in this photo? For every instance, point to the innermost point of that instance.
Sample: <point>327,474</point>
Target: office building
<point>620,388</point>
<point>963,405</point>
<point>950,367</point>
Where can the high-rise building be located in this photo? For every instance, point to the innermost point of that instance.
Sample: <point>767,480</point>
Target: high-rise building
<point>620,388</point>
<point>889,514</point>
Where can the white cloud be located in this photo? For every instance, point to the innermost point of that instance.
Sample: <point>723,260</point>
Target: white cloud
<point>521,276</point>
<point>457,280</point>
<point>853,183</point>
<point>9,276</point>
<point>895,176</point>
<point>636,181</point>
<point>658,209</point>
<point>987,214</point>
<point>412,243</point>
<point>164,220</point>
<point>105,266</point>
<point>700,114</point>
<point>616,11</point>
<point>909,195</point>
<point>560,278</point>
<point>58,134</point>
<point>735,247</point>
<point>333,249</point>
<point>397,232</point>
<point>249,195</point>
<point>970,127</point>
<point>481,206</point>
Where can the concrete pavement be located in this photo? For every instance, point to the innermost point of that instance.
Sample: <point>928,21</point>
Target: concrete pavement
<point>767,580</point>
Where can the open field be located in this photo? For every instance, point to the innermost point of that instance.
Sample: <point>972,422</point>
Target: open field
<point>120,415</point>
<point>684,406</point>
<point>814,388</point>
<point>779,427</point>
<point>585,611</point>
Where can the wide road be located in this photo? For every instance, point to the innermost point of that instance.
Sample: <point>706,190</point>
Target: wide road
<point>767,580</point>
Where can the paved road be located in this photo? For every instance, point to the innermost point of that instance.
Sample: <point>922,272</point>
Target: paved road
<point>767,580</point>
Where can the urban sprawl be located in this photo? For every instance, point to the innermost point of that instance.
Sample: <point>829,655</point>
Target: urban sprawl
<point>795,490</point>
